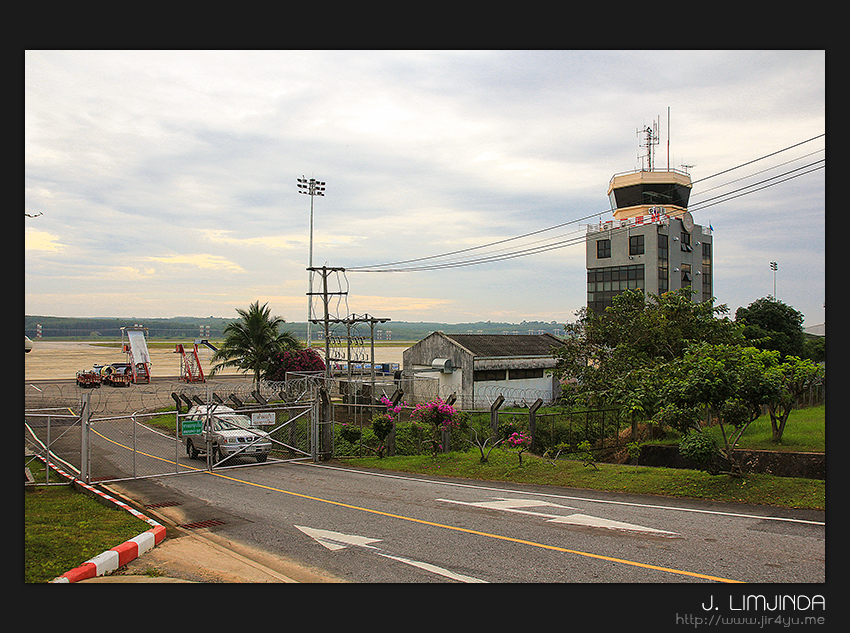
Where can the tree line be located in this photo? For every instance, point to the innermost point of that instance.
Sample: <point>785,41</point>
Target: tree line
<point>666,359</point>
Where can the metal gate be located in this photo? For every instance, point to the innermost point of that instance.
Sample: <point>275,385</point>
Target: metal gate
<point>107,448</point>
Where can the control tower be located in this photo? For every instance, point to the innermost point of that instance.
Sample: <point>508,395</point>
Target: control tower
<point>652,243</point>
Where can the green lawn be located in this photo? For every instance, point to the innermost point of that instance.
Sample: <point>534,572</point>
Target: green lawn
<point>64,528</point>
<point>805,432</point>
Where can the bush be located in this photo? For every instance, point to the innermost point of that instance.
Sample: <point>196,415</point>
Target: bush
<point>699,447</point>
<point>301,360</point>
<point>412,438</point>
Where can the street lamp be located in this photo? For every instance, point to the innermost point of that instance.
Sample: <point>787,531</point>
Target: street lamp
<point>774,267</point>
<point>310,188</point>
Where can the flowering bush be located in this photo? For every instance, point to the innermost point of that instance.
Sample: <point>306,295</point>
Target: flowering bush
<point>391,408</point>
<point>294,360</point>
<point>519,441</point>
<point>440,416</point>
<point>437,413</point>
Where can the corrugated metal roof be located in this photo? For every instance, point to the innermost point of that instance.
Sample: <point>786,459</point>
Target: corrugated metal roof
<point>507,344</point>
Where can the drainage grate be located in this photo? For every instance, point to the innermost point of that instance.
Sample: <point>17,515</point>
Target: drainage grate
<point>162,504</point>
<point>202,524</point>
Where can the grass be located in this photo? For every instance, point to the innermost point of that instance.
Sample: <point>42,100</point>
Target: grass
<point>805,432</point>
<point>671,482</point>
<point>64,528</point>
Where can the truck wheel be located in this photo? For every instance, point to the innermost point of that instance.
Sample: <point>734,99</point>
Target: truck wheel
<point>191,450</point>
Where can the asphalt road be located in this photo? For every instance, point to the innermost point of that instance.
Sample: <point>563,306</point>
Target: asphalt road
<point>365,526</point>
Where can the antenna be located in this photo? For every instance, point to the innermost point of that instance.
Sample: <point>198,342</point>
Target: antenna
<point>650,141</point>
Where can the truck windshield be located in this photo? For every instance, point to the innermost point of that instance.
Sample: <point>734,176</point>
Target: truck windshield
<point>229,422</point>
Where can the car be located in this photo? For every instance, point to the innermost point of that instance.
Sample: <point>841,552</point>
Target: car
<point>232,433</point>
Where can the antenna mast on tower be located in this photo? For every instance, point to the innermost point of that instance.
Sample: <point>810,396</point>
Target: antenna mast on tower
<point>651,140</point>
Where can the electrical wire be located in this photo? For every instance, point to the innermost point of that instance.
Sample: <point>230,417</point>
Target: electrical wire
<point>702,204</point>
<point>406,265</point>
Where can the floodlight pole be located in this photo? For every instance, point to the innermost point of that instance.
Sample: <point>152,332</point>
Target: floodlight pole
<point>310,188</point>
<point>774,267</point>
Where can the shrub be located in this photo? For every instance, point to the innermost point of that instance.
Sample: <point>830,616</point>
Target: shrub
<point>304,360</point>
<point>699,447</point>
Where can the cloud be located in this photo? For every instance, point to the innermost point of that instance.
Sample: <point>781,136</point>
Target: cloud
<point>184,162</point>
<point>36,240</point>
<point>203,260</point>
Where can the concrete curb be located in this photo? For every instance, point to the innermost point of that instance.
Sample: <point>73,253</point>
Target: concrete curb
<point>120,555</point>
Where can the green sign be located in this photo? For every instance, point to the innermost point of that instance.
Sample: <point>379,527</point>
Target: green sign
<point>192,427</point>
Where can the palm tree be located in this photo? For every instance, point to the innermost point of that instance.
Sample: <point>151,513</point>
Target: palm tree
<point>250,343</point>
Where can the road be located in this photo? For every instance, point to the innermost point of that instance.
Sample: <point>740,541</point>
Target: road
<point>366,526</point>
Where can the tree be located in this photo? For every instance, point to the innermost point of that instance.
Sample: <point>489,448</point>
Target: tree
<point>610,358</point>
<point>797,376</point>
<point>251,342</point>
<point>734,381</point>
<point>771,324</point>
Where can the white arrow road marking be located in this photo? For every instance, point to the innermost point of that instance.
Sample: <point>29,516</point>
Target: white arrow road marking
<point>515,505</point>
<point>337,541</point>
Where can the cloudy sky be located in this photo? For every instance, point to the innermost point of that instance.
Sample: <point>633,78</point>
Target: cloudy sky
<point>164,182</point>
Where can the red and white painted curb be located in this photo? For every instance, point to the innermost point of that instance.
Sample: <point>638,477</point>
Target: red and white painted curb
<point>119,556</point>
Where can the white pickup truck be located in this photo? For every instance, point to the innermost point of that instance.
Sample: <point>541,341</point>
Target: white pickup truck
<point>228,433</point>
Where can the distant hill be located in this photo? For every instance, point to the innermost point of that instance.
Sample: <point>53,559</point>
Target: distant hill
<point>189,328</point>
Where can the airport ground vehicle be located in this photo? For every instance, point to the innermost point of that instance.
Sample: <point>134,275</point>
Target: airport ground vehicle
<point>226,432</point>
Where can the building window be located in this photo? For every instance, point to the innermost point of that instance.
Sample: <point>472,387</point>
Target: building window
<point>603,249</point>
<point>663,265</point>
<point>603,284</point>
<point>519,374</point>
<point>686,275</point>
<point>488,375</point>
<point>706,271</point>
<point>686,242</point>
<point>636,245</point>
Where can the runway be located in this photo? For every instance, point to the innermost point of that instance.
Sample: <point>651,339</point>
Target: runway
<point>61,360</point>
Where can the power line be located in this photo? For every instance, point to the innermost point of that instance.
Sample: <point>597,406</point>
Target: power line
<point>702,204</point>
<point>405,265</point>
<point>726,171</point>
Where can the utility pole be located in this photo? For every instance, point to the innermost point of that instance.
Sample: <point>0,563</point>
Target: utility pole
<point>325,272</point>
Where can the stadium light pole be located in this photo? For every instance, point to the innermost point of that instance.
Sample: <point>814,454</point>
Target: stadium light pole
<point>774,267</point>
<point>312,188</point>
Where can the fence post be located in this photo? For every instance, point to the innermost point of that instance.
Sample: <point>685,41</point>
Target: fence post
<point>494,417</point>
<point>85,426</point>
<point>532,421</point>
<point>326,438</point>
<point>395,399</point>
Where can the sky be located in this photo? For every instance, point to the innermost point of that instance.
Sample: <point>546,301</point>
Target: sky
<point>164,183</point>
